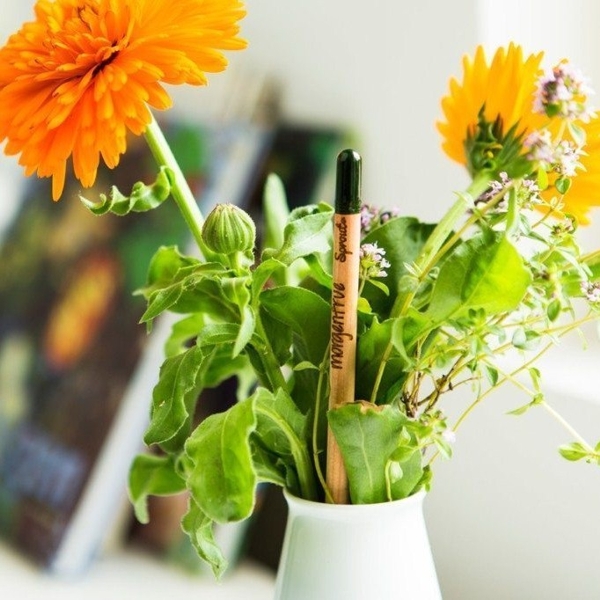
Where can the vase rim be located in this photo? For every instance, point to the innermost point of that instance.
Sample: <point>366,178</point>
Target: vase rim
<point>302,503</point>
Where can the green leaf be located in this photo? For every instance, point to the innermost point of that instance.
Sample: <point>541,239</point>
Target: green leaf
<point>308,231</point>
<point>574,451</point>
<point>592,262</point>
<point>320,268</point>
<point>142,198</point>
<point>222,479</point>
<point>301,319</point>
<point>183,333</point>
<point>305,365</point>
<point>402,239</point>
<point>152,476</point>
<point>196,289</point>
<point>279,336</point>
<point>236,290</point>
<point>485,272</point>
<point>410,468</point>
<point>270,469</point>
<point>521,410</point>
<point>525,339</point>
<point>382,287</point>
<point>218,334</point>
<point>537,399</point>
<point>408,331</point>
<point>182,378</point>
<point>161,301</point>
<point>372,345</point>
<point>200,529</point>
<point>536,376</point>
<point>222,366</point>
<point>305,313</point>
<point>164,268</point>
<point>563,185</point>
<point>369,437</point>
<point>282,430</point>
<point>554,309</point>
<point>444,448</point>
<point>183,284</point>
<point>577,132</point>
<point>492,374</point>
<point>247,326</point>
<point>176,387</point>
<point>542,179</point>
<point>263,273</point>
<point>276,211</point>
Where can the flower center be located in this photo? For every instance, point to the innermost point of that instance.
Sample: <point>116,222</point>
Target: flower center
<point>111,54</point>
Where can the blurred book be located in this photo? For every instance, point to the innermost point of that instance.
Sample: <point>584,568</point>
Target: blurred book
<point>75,376</point>
<point>76,368</point>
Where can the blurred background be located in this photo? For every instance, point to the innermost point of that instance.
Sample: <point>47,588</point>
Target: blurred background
<point>508,518</point>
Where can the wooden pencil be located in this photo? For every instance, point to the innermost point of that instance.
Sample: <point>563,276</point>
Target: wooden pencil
<point>344,304</point>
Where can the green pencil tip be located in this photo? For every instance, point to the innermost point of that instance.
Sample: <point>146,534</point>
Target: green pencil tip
<point>348,183</point>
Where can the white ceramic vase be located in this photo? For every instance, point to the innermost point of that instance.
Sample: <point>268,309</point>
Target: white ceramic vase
<point>356,552</point>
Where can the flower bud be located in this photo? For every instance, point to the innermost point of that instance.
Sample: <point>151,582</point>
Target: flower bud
<point>229,229</point>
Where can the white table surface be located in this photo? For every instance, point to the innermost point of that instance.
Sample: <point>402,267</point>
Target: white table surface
<point>130,575</point>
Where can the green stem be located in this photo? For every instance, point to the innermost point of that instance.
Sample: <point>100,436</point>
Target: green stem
<point>315,441</point>
<point>511,377</point>
<point>180,190</point>
<point>272,369</point>
<point>477,215</point>
<point>440,234</point>
<point>300,454</point>
<point>512,216</point>
<point>567,426</point>
<point>591,258</point>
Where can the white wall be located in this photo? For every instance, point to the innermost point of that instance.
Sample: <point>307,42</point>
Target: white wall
<point>509,519</point>
<point>380,66</point>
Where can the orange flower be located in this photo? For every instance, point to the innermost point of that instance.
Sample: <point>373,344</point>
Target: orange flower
<point>75,80</point>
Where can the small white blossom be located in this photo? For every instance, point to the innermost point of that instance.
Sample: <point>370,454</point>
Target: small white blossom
<point>539,147</point>
<point>386,215</point>
<point>563,93</point>
<point>591,291</point>
<point>368,217</point>
<point>499,185</point>
<point>566,158</point>
<point>562,158</point>
<point>496,187</point>
<point>371,217</point>
<point>372,263</point>
<point>449,436</point>
<point>528,193</point>
<point>531,186</point>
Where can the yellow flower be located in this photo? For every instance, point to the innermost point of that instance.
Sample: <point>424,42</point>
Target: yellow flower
<point>500,92</point>
<point>492,111</point>
<point>584,193</point>
<point>75,80</point>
